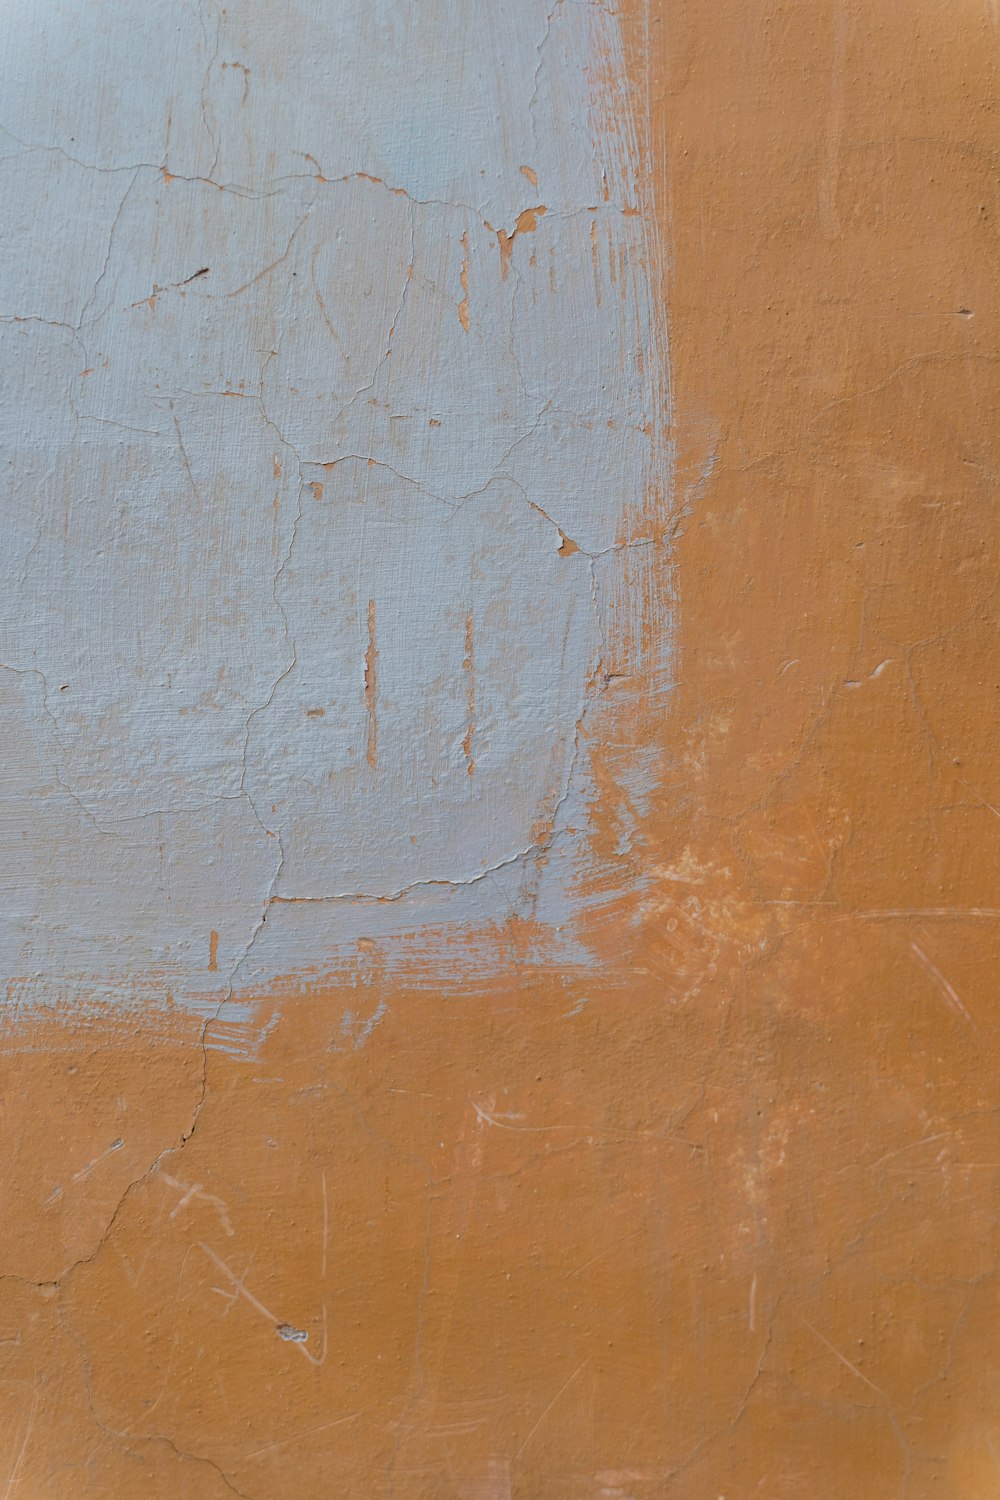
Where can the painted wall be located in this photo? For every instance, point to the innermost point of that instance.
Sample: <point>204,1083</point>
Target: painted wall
<point>498,827</point>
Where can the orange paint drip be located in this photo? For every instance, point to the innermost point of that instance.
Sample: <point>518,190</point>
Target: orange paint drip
<point>463,306</point>
<point>371,687</point>
<point>595,255</point>
<point>213,952</point>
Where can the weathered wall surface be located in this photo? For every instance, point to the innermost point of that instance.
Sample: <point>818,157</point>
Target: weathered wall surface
<point>499,823</point>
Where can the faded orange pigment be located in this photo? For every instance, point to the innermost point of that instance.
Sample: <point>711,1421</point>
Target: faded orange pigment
<point>722,1219</point>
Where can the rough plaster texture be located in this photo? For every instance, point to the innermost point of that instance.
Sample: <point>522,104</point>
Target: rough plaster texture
<point>658,1162</point>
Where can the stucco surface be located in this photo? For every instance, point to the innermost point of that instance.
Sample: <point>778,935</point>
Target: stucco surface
<point>499,827</point>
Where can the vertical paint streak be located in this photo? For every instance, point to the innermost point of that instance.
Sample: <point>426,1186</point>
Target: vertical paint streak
<point>468,666</point>
<point>595,255</point>
<point>371,687</point>
<point>463,306</point>
<point>213,952</point>
<point>506,244</point>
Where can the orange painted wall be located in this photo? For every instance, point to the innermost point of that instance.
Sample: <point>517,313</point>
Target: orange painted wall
<point>718,1218</point>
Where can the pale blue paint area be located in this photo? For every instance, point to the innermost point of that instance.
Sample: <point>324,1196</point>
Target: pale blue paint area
<point>240,410</point>
<point>436,574</point>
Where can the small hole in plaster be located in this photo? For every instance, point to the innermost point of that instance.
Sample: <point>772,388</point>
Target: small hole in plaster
<point>291,1335</point>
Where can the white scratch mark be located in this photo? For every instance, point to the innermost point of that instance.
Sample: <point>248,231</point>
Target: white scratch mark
<point>12,1478</point>
<point>502,1122</point>
<point>846,1362</point>
<point>559,1393</point>
<point>85,1171</point>
<point>298,1436</point>
<point>602,1254</point>
<point>957,913</point>
<point>240,1287</point>
<point>194,1190</point>
<point>951,998</point>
